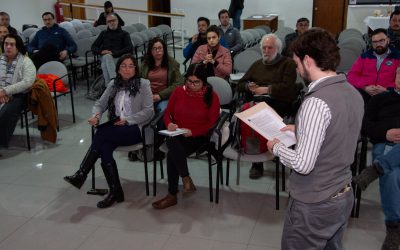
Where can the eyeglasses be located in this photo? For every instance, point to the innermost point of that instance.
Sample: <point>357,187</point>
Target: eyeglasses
<point>157,48</point>
<point>111,20</point>
<point>194,82</point>
<point>382,41</point>
<point>128,66</point>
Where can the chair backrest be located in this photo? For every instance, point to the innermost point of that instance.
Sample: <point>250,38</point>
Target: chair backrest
<point>55,68</point>
<point>262,32</point>
<point>347,59</point>
<point>72,32</point>
<point>102,27</point>
<point>84,34</point>
<point>266,28</point>
<point>139,26</point>
<point>66,25</point>
<point>158,32</point>
<point>222,88</point>
<point>28,33</point>
<point>83,45</point>
<point>128,28</point>
<point>243,60</point>
<point>256,34</point>
<point>87,25</point>
<point>150,34</point>
<point>166,30</point>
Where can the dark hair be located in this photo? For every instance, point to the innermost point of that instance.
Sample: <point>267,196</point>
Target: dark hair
<point>396,12</point>
<point>318,44</point>
<point>149,59</point>
<point>205,19</point>
<point>199,70</point>
<point>107,4</point>
<point>121,59</point>
<point>378,31</point>
<point>222,12</point>
<point>2,13</point>
<point>48,13</point>
<point>213,28</point>
<point>303,19</point>
<point>19,44</point>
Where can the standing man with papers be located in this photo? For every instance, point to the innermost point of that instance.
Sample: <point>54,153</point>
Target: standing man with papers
<point>327,127</point>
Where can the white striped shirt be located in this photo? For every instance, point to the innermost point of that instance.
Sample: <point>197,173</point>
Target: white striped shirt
<point>313,120</point>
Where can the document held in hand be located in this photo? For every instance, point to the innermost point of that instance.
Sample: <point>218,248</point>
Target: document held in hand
<point>264,119</point>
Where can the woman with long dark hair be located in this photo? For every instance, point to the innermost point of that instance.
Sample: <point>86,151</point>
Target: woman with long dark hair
<point>162,71</point>
<point>193,107</point>
<point>128,100</point>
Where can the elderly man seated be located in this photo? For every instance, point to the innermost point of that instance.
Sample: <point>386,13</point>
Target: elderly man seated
<point>111,44</point>
<point>382,125</point>
<point>274,75</point>
<point>375,70</point>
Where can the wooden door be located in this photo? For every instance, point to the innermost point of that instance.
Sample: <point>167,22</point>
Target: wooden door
<point>159,6</point>
<point>330,15</point>
<point>78,12</point>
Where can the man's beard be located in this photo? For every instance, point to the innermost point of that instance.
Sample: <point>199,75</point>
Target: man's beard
<point>380,50</point>
<point>270,58</point>
<point>306,77</point>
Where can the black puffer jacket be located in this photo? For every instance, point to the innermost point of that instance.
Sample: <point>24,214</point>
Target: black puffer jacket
<point>118,41</point>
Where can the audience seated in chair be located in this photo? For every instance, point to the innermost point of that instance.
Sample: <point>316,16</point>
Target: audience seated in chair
<point>301,26</point>
<point>193,107</point>
<point>3,33</point>
<point>111,44</point>
<point>274,77</point>
<point>5,20</point>
<point>17,74</point>
<point>394,29</point>
<point>198,39</point>
<point>230,34</point>
<point>375,70</point>
<point>51,43</point>
<point>217,59</point>
<point>162,71</point>
<point>108,8</point>
<point>128,98</point>
<point>382,125</point>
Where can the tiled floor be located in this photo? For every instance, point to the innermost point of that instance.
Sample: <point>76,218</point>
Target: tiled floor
<point>38,210</point>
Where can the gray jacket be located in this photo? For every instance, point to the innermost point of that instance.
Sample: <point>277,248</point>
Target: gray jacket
<point>232,38</point>
<point>140,108</point>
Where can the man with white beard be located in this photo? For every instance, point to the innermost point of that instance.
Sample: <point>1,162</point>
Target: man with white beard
<point>274,77</point>
<point>111,44</point>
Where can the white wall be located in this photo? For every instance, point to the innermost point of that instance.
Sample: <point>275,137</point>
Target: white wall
<point>357,14</point>
<point>26,12</point>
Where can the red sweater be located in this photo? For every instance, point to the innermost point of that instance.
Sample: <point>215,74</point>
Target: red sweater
<point>191,112</point>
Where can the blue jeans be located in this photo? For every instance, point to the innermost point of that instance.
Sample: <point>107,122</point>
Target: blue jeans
<point>236,19</point>
<point>389,182</point>
<point>108,67</point>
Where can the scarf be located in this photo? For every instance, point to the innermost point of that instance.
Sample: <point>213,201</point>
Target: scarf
<point>7,70</point>
<point>132,86</point>
<point>200,93</point>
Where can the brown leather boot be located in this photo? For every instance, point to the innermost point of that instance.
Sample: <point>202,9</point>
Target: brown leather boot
<point>188,186</point>
<point>167,201</point>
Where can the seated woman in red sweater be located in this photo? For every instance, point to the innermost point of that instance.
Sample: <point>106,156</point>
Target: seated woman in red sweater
<point>193,107</point>
<point>216,58</point>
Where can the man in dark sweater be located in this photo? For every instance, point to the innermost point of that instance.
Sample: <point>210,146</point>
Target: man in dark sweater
<point>382,125</point>
<point>302,25</point>
<point>326,128</point>
<point>274,77</point>
<point>111,44</point>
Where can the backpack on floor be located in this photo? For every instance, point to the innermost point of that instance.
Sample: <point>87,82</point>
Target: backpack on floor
<point>97,88</point>
<point>251,141</point>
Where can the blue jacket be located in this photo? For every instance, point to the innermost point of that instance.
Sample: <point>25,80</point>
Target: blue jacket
<point>55,35</point>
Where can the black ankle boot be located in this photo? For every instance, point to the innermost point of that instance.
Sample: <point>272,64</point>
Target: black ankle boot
<point>87,164</point>
<point>116,194</point>
<point>368,175</point>
<point>392,239</point>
